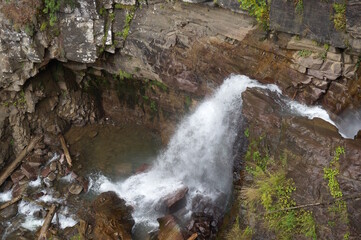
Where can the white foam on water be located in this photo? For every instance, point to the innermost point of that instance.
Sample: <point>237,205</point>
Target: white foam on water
<point>66,221</point>
<point>48,198</point>
<point>28,209</point>
<point>6,196</point>
<point>68,178</point>
<point>55,157</point>
<point>36,183</point>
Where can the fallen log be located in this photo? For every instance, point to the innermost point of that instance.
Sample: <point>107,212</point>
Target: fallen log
<point>345,198</point>
<point>11,168</point>
<point>11,202</point>
<point>65,149</point>
<point>47,222</point>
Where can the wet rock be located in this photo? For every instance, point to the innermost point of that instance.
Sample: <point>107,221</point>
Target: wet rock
<point>17,176</point>
<point>53,166</point>
<point>9,212</point>
<point>51,176</point>
<point>92,134</point>
<point>7,185</point>
<point>29,171</point>
<point>143,168</point>
<point>45,171</point>
<point>47,182</point>
<point>176,200</point>
<point>40,214</point>
<point>75,189</point>
<point>35,161</point>
<point>169,229</point>
<point>113,219</point>
<point>19,189</point>
<point>83,181</point>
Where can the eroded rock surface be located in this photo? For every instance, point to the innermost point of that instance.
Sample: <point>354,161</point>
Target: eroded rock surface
<point>310,147</point>
<point>113,219</point>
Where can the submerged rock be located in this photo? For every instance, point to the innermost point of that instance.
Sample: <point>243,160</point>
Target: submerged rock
<point>113,219</point>
<point>169,229</point>
<point>75,189</point>
<point>176,200</point>
<point>9,212</point>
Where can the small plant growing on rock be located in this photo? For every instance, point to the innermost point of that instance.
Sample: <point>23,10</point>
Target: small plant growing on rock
<point>304,53</point>
<point>258,9</point>
<point>239,234</point>
<point>51,7</point>
<point>339,18</point>
<point>299,6</point>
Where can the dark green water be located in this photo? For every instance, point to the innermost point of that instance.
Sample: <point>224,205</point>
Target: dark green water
<point>116,152</point>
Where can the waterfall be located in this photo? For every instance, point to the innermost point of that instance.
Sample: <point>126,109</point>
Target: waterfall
<point>199,155</point>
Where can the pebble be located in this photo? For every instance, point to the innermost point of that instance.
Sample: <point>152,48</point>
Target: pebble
<point>75,189</point>
<point>53,166</point>
<point>51,176</point>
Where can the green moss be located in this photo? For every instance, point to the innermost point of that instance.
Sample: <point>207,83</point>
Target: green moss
<point>153,106</point>
<point>237,233</point>
<point>358,63</point>
<point>128,20</point>
<point>43,26</point>
<point>299,6</point>
<point>159,84</point>
<point>339,17</point>
<point>339,207</point>
<point>51,7</point>
<point>304,53</point>
<point>124,75</point>
<point>187,102</point>
<point>246,133</point>
<point>258,9</point>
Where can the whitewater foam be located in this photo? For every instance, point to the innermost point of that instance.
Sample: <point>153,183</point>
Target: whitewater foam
<point>6,196</point>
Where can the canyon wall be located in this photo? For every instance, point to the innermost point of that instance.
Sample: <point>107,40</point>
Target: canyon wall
<point>151,61</point>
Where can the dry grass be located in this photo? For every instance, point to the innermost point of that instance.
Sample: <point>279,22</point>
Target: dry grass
<point>21,12</point>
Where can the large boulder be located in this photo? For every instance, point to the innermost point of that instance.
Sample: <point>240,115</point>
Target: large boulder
<point>113,219</point>
<point>310,146</point>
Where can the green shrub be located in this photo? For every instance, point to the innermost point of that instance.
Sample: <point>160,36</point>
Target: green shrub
<point>339,17</point>
<point>51,7</point>
<point>258,9</point>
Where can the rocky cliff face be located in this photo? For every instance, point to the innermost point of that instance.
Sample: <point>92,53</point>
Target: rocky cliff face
<point>150,61</point>
<point>303,149</point>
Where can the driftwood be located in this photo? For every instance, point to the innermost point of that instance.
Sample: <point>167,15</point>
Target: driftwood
<point>193,237</point>
<point>65,149</point>
<point>11,202</point>
<point>346,198</point>
<point>10,169</point>
<point>47,222</point>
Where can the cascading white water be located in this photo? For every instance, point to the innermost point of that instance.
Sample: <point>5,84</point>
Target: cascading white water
<point>199,155</point>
